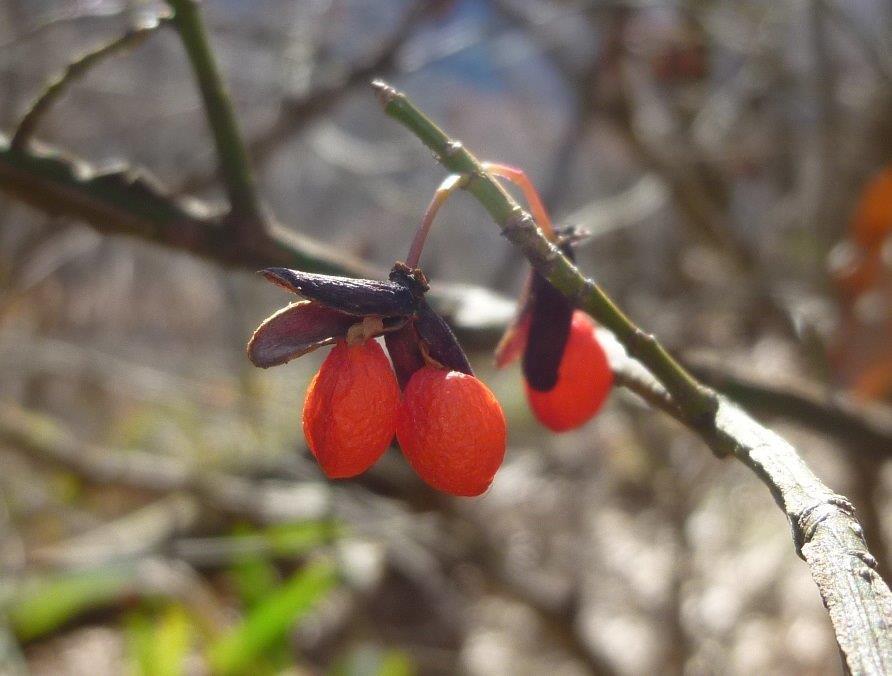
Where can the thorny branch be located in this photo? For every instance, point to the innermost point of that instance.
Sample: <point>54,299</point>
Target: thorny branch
<point>825,531</point>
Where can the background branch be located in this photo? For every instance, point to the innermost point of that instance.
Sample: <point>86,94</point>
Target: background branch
<point>56,88</point>
<point>235,167</point>
<point>867,428</point>
<point>296,112</point>
<point>128,200</point>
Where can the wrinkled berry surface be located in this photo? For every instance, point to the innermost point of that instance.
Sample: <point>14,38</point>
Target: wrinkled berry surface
<point>349,415</point>
<point>452,430</point>
<point>584,380</point>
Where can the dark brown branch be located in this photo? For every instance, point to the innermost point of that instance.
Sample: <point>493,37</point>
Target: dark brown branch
<point>866,428</point>
<point>129,201</point>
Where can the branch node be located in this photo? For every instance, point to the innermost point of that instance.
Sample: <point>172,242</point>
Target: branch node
<point>811,517</point>
<point>865,557</point>
<point>452,148</point>
<point>385,92</point>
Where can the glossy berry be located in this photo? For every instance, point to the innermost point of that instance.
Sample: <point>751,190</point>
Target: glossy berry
<point>350,411</point>
<point>584,380</point>
<point>452,430</point>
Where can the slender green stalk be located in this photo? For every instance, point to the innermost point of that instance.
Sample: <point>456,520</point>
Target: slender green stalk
<point>697,402</point>
<point>235,169</point>
<point>56,88</point>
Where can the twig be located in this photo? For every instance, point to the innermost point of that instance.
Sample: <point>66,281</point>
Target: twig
<point>132,536</point>
<point>72,13</point>
<point>696,401</point>
<point>869,46</point>
<point>866,428</point>
<point>56,88</point>
<point>130,201</point>
<point>235,169</point>
<point>825,531</point>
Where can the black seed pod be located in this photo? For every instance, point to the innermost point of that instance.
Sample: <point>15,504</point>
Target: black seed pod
<point>550,317</point>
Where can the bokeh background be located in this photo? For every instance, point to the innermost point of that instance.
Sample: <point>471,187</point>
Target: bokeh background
<point>159,512</point>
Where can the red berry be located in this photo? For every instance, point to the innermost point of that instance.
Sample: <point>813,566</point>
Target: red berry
<point>350,411</point>
<point>584,380</point>
<point>452,430</point>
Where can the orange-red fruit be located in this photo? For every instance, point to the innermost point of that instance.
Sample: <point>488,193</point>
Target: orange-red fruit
<point>350,411</point>
<point>452,430</point>
<point>584,380</point>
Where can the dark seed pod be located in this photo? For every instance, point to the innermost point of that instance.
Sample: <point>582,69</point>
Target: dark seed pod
<point>550,317</point>
<point>549,329</point>
<point>295,330</point>
<point>358,297</point>
<point>334,304</point>
<point>441,342</point>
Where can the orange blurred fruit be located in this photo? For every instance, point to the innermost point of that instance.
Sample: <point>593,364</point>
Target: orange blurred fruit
<point>452,430</point>
<point>872,219</point>
<point>584,380</point>
<point>349,416</point>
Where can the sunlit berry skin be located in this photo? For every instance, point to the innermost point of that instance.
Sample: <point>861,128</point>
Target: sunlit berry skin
<point>349,415</point>
<point>452,430</point>
<point>584,380</point>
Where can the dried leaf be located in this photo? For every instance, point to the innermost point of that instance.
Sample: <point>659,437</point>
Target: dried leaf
<point>296,330</point>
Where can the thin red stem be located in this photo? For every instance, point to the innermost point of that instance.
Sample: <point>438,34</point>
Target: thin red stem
<point>447,187</point>
<point>519,178</point>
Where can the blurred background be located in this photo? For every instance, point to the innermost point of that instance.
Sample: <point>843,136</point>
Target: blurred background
<point>159,511</point>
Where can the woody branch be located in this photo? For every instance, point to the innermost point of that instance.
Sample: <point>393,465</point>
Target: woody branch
<point>825,531</point>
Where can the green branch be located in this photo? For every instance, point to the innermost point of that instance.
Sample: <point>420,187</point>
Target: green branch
<point>56,88</point>
<point>825,532</point>
<point>235,168</point>
<point>696,401</point>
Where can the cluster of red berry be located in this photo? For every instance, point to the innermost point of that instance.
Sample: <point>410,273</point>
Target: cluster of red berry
<point>448,423</point>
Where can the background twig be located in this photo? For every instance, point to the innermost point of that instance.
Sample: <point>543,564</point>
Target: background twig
<point>132,38</point>
<point>235,167</point>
